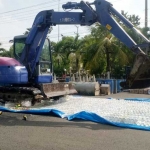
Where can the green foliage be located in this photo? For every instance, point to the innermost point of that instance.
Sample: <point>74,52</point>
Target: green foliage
<point>135,20</point>
<point>2,49</point>
<point>6,53</point>
<point>144,31</point>
<point>27,31</point>
<point>93,62</point>
<point>19,45</point>
<point>118,71</point>
<point>103,51</point>
<point>63,50</point>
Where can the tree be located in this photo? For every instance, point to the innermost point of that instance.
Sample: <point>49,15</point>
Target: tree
<point>135,20</point>
<point>103,51</point>
<point>144,31</point>
<point>27,31</point>
<point>3,52</point>
<point>7,53</point>
<point>94,65</point>
<point>66,53</point>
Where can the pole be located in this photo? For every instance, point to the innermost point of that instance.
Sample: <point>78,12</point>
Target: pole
<point>146,14</point>
<point>77,30</point>
<point>146,21</point>
<point>77,61</point>
<point>58,25</point>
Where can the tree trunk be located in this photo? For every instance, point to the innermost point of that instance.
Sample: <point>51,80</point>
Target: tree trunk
<point>108,63</point>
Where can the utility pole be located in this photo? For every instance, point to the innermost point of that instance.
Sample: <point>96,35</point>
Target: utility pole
<point>58,25</point>
<point>146,13</point>
<point>77,29</point>
<point>146,22</point>
<point>77,62</point>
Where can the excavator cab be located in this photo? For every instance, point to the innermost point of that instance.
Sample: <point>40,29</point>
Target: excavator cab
<point>44,69</point>
<point>19,43</point>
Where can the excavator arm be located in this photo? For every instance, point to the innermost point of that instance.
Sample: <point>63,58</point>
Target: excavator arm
<point>103,13</point>
<point>43,21</point>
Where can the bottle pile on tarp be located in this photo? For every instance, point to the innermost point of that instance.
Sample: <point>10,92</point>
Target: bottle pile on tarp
<point>129,113</point>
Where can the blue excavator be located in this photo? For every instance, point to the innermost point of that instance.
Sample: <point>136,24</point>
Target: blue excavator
<point>30,74</point>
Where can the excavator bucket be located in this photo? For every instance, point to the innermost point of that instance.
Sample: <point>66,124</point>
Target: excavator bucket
<point>57,89</point>
<point>140,74</point>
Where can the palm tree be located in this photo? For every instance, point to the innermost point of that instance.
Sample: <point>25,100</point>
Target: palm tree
<point>76,52</point>
<point>67,50</point>
<point>27,31</point>
<point>103,50</point>
<point>2,49</point>
<point>135,20</point>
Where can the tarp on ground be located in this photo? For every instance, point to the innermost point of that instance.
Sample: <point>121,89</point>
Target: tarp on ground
<point>121,113</point>
<point>138,99</point>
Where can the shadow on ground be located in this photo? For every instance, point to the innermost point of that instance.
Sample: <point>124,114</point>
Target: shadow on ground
<point>13,119</point>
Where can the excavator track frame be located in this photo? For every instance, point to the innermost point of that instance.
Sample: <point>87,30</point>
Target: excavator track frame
<point>41,92</point>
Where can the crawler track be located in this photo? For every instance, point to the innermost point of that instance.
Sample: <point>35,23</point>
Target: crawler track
<point>17,94</point>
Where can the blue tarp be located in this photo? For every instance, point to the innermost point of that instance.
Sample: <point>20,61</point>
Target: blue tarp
<point>34,111</point>
<point>89,116</point>
<point>134,99</point>
<point>96,118</point>
<point>138,99</point>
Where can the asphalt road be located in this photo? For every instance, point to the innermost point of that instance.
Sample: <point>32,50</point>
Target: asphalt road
<point>53,133</point>
<point>126,95</point>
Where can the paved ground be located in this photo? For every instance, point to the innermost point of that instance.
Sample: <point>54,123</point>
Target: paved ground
<point>52,133</point>
<point>127,95</point>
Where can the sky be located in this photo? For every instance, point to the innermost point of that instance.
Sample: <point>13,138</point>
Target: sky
<point>18,15</point>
